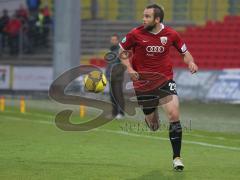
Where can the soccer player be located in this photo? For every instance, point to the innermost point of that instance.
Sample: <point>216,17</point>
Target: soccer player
<point>151,70</point>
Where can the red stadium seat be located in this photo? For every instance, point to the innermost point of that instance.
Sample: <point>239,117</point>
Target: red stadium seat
<point>98,62</point>
<point>214,46</point>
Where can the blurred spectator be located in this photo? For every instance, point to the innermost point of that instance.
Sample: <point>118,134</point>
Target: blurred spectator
<point>33,6</point>
<point>31,34</point>
<point>46,11</point>
<point>23,16</point>
<point>24,32</point>
<point>43,23</point>
<point>23,12</point>
<point>115,75</point>
<point>4,19</point>
<point>27,42</point>
<point>13,29</point>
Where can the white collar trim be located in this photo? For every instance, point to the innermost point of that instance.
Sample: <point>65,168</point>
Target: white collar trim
<point>162,25</point>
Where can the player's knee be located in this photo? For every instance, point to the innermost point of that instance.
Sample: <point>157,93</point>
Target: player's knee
<point>173,115</point>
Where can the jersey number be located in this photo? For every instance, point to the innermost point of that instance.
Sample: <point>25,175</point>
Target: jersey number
<point>172,86</point>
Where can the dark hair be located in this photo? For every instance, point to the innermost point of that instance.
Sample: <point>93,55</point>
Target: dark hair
<point>157,11</point>
<point>115,35</point>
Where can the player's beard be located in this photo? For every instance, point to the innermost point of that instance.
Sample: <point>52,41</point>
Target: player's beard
<point>150,27</point>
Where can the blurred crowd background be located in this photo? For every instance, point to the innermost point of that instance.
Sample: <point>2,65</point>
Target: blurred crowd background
<point>210,29</point>
<point>25,29</point>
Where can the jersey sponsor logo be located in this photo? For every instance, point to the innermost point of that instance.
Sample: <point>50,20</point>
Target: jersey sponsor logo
<point>155,49</point>
<point>163,40</point>
<point>124,40</point>
<point>184,48</point>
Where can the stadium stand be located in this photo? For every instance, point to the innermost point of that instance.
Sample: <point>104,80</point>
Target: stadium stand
<point>176,10</point>
<point>26,34</point>
<point>214,45</point>
<point>206,40</point>
<point>234,7</point>
<point>180,10</point>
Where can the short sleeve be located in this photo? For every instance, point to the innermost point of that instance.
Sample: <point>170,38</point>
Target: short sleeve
<point>127,42</point>
<point>179,44</point>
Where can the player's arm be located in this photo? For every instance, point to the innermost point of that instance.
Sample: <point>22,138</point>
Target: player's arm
<point>188,59</point>
<point>182,49</point>
<point>127,43</point>
<point>124,57</point>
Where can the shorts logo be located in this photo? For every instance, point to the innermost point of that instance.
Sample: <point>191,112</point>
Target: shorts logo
<point>124,40</point>
<point>184,48</point>
<point>155,49</point>
<point>163,40</point>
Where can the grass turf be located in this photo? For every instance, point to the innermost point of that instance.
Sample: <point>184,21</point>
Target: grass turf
<point>32,147</point>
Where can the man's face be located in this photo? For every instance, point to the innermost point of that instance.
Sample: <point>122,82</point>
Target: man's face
<point>148,19</point>
<point>114,40</point>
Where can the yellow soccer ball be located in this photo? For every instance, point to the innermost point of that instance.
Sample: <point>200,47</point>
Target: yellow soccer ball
<point>95,82</point>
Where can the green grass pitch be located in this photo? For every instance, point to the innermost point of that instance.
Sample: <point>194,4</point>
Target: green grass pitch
<point>32,147</point>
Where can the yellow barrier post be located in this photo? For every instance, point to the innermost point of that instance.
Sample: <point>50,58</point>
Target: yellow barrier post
<point>82,111</point>
<point>22,105</point>
<point>2,103</point>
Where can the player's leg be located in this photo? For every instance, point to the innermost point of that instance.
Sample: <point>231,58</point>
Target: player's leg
<point>149,102</point>
<point>151,118</point>
<point>171,108</point>
<point>175,130</point>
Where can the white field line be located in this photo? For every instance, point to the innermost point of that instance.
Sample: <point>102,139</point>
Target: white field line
<point>132,134</point>
<point>208,137</point>
<point>166,139</point>
<point>185,134</point>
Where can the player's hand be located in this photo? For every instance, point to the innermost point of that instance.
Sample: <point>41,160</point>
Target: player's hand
<point>133,74</point>
<point>193,67</point>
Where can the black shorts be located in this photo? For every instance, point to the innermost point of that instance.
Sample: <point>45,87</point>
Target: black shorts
<point>149,100</point>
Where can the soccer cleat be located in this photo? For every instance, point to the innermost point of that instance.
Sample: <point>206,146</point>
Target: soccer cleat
<point>178,164</point>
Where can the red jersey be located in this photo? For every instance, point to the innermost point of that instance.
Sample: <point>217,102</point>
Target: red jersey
<point>13,27</point>
<point>151,51</point>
